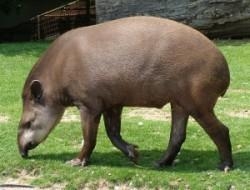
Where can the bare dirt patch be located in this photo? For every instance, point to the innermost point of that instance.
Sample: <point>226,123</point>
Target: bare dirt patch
<point>4,119</point>
<point>145,113</point>
<point>243,91</point>
<point>105,185</point>
<point>240,114</point>
<point>149,114</point>
<point>70,116</point>
<point>23,180</point>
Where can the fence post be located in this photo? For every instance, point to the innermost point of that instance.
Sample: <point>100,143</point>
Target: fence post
<point>88,4</point>
<point>38,28</point>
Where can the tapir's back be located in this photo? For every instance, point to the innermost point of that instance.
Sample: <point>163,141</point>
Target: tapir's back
<point>146,56</point>
<point>139,60</point>
<point>132,45</point>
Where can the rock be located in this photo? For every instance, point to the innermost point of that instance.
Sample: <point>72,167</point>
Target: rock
<point>215,18</point>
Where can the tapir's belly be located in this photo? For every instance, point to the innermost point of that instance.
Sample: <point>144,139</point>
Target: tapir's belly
<point>139,94</point>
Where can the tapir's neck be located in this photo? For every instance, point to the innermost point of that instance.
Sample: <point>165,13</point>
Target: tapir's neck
<point>65,99</point>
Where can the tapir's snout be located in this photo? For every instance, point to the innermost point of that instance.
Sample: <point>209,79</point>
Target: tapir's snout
<point>25,144</point>
<point>25,149</point>
<point>24,153</point>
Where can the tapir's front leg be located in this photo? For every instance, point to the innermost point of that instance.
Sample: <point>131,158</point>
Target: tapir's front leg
<point>112,120</point>
<point>90,121</point>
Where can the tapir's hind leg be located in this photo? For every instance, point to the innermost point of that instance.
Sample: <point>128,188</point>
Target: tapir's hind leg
<point>219,133</point>
<point>177,135</point>
<point>112,120</point>
<point>201,107</point>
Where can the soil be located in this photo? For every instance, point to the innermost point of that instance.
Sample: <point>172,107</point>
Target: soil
<point>4,119</point>
<point>240,113</point>
<point>152,114</point>
<point>70,116</point>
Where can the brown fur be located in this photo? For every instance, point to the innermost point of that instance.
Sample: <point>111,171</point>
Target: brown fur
<point>137,61</point>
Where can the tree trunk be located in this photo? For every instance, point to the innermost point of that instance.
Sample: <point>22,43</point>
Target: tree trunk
<point>215,18</point>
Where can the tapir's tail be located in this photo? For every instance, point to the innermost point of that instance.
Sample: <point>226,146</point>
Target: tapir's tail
<point>226,79</point>
<point>223,93</point>
<point>224,75</point>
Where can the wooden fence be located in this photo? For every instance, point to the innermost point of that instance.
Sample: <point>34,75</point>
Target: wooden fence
<point>51,24</point>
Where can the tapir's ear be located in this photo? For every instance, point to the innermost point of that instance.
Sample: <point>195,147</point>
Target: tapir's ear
<point>36,89</point>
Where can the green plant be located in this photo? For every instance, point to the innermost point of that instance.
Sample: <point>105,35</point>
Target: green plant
<point>195,165</point>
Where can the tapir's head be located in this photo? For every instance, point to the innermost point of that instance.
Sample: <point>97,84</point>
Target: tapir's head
<point>40,115</point>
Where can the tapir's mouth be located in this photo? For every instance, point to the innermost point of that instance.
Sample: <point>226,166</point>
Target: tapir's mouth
<point>24,152</point>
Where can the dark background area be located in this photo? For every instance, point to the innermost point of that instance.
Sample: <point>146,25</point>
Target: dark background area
<point>14,12</point>
<point>24,20</point>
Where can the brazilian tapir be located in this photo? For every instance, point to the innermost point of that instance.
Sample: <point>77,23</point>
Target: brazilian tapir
<point>135,61</point>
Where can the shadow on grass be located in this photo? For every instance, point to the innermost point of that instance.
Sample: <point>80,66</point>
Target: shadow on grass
<point>24,48</point>
<point>187,161</point>
<point>232,42</point>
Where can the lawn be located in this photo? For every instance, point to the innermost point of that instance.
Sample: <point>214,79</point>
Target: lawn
<point>195,166</point>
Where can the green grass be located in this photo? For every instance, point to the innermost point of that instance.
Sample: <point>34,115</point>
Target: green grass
<point>196,164</point>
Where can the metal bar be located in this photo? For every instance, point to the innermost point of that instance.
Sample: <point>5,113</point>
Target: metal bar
<point>38,28</point>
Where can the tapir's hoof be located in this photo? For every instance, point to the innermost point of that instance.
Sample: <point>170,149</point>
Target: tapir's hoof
<point>158,164</point>
<point>133,154</point>
<point>77,162</point>
<point>161,164</point>
<point>225,166</point>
